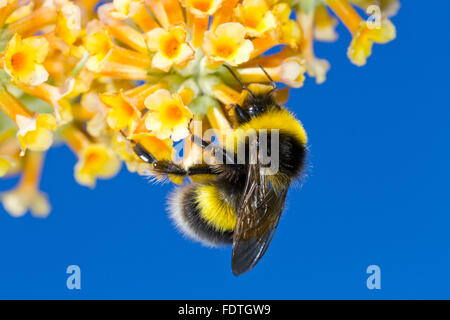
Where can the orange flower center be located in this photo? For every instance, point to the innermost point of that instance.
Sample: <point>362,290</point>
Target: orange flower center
<point>252,20</point>
<point>158,144</point>
<point>104,47</point>
<point>202,5</point>
<point>18,61</point>
<point>92,157</point>
<point>225,49</point>
<point>172,114</point>
<point>171,47</point>
<point>127,109</point>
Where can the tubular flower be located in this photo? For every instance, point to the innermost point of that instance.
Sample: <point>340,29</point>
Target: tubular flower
<point>95,160</point>
<point>20,12</point>
<point>68,25</point>
<point>325,25</point>
<point>170,47</point>
<point>26,196</point>
<point>365,36</point>
<point>228,43</point>
<point>23,59</point>
<point>289,31</point>
<point>167,116</point>
<point>103,76</point>
<point>35,131</point>
<point>256,16</point>
<point>121,113</point>
<point>202,7</point>
<point>98,44</point>
<point>364,33</point>
<point>125,8</point>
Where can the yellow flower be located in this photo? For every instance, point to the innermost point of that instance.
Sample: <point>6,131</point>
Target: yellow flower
<point>94,112</point>
<point>68,25</point>
<point>96,161</point>
<point>228,44</point>
<point>325,25</point>
<point>170,46</point>
<point>290,71</point>
<point>26,195</point>
<point>167,116</point>
<point>18,201</point>
<point>361,46</point>
<point>23,59</point>
<point>365,34</point>
<point>289,31</point>
<point>124,8</point>
<point>256,17</point>
<point>19,13</point>
<point>35,130</point>
<point>121,113</point>
<point>202,7</point>
<point>98,44</point>
<point>55,97</point>
<point>36,133</point>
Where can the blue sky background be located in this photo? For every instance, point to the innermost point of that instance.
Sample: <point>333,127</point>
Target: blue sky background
<point>377,193</point>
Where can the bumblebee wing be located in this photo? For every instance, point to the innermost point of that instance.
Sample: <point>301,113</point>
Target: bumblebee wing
<point>257,219</point>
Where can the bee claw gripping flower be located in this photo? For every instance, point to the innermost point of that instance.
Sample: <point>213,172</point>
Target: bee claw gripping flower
<point>101,76</point>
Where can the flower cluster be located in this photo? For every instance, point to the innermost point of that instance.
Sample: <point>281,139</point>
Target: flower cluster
<point>96,75</point>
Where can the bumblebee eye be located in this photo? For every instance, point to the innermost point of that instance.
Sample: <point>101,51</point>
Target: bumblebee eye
<point>241,115</point>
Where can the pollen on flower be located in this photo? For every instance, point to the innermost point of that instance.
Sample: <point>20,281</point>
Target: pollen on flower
<point>104,76</point>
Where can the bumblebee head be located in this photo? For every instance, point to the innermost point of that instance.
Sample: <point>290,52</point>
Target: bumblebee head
<point>258,99</point>
<point>259,110</point>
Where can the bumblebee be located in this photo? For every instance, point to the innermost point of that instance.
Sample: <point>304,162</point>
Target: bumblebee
<point>238,202</point>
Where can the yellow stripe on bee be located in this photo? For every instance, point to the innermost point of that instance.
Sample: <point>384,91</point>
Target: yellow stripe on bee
<point>280,119</point>
<point>214,209</point>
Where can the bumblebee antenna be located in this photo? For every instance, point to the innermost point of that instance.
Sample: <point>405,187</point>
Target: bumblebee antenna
<point>243,86</point>
<point>272,83</point>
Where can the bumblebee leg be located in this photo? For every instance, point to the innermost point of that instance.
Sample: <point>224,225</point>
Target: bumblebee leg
<point>201,169</point>
<point>219,153</point>
<point>168,167</point>
<point>159,166</point>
